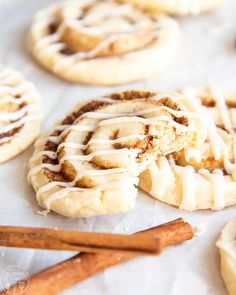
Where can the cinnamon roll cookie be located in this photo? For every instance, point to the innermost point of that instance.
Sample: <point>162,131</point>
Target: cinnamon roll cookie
<point>102,42</point>
<point>176,7</point>
<point>20,114</point>
<point>227,247</point>
<point>90,162</point>
<point>204,176</point>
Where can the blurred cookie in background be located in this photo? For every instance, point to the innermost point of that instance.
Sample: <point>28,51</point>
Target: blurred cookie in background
<point>102,42</point>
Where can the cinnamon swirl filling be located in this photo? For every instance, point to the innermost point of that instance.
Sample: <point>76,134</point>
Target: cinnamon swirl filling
<point>104,145</point>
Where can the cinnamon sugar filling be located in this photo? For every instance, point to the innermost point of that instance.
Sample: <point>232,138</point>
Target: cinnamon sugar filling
<point>211,103</point>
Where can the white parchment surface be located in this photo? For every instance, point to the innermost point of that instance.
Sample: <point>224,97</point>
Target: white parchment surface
<point>206,55</point>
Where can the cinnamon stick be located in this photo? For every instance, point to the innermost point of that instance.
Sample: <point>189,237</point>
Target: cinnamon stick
<point>54,239</point>
<point>78,268</point>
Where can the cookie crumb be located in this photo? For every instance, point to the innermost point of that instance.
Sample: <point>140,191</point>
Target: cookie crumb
<point>200,229</point>
<point>43,212</point>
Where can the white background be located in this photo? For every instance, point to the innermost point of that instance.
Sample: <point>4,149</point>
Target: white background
<point>206,55</point>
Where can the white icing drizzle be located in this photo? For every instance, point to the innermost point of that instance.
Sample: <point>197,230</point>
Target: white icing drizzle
<point>14,137</point>
<point>229,167</point>
<point>186,176</point>
<point>177,114</point>
<point>217,182</point>
<point>148,121</point>
<point>216,142</point>
<point>57,168</point>
<point>73,145</point>
<point>101,153</point>
<point>192,153</point>
<point>18,114</point>
<point>19,123</point>
<point>106,99</point>
<point>160,176</point>
<point>103,116</point>
<point>53,155</point>
<point>219,146</point>
<point>61,127</point>
<point>97,119</point>
<point>49,154</point>
<point>14,91</point>
<point>228,118</point>
<point>222,107</point>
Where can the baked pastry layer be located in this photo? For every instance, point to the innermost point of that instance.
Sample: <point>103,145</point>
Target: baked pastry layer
<point>176,7</point>
<point>20,114</point>
<point>227,248</point>
<point>102,42</point>
<point>90,162</point>
<point>200,177</point>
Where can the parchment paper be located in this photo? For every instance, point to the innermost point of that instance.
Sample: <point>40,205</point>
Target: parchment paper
<point>206,55</point>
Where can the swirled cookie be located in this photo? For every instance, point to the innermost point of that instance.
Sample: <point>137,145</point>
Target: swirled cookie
<point>90,162</point>
<point>20,114</point>
<point>200,177</point>
<point>176,7</point>
<point>227,247</point>
<point>102,42</point>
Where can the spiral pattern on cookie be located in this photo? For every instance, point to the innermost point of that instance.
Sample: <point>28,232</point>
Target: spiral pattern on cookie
<point>20,113</point>
<point>77,36</point>
<point>90,163</point>
<point>204,176</point>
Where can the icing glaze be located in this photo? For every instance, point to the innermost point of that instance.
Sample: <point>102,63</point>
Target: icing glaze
<point>218,142</point>
<point>96,119</point>
<point>14,91</point>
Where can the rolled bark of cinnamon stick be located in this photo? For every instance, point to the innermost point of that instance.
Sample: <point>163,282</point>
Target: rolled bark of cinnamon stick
<point>76,269</point>
<point>51,239</point>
